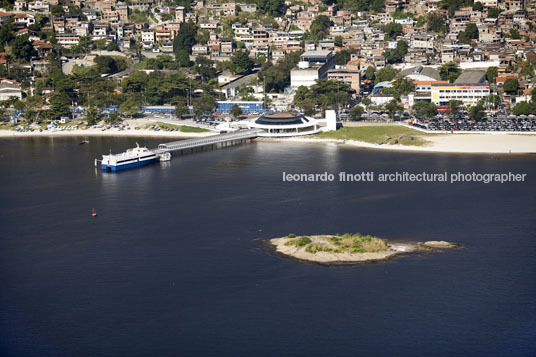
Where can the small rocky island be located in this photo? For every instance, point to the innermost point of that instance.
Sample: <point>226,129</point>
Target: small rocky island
<point>349,248</point>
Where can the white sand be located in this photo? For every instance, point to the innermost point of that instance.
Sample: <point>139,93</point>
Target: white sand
<point>132,124</point>
<point>452,143</point>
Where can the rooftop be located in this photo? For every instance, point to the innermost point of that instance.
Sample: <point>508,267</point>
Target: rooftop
<point>316,53</point>
<point>471,76</point>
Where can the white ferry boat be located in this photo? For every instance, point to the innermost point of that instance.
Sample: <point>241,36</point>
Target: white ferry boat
<point>135,157</point>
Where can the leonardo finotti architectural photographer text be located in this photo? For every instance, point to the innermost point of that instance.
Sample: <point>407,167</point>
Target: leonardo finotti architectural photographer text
<point>370,176</point>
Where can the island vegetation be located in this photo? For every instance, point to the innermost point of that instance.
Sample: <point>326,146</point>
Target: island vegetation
<point>348,248</point>
<point>348,242</point>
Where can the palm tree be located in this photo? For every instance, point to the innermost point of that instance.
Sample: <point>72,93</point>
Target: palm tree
<point>9,59</point>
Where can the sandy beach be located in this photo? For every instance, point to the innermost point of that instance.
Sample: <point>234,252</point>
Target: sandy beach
<point>492,143</point>
<point>130,131</point>
<point>449,143</point>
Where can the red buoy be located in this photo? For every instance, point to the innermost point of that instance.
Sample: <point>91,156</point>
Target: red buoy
<point>93,213</point>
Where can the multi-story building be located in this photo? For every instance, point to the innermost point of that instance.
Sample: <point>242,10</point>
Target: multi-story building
<point>347,76</point>
<point>469,88</point>
<point>147,36</point>
<point>68,39</point>
<point>313,65</point>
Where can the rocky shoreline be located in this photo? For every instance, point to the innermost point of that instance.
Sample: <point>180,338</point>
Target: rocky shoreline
<point>284,247</point>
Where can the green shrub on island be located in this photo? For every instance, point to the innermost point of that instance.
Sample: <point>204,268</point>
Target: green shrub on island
<point>303,241</point>
<point>345,243</point>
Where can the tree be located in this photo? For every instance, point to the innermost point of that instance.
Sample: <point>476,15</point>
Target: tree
<point>185,39</point>
<point>7,32</point>
<point>524,108</point>
<point>477,6</point>
<point>494,12</point>
<point>60,104</point>
<point>377,5</point>
<point>277,77</point>
<point>471,30</point>
<point>491,74</point>
<point>370,73</point>
<point>106,64</point>
<point>397,55</point>
<point>392,31</point>
<point>91,115</point>
<point>403,85</point>
<point>302,93</point>
<point>205,68</point>
<point>136,82</point>
<point>180,109</point>
<point>366,101</point>
<point>477,112</point>
<point>320,27</point>
<point>183,58</point>
<point>271,7</point>
<point>393,107</point>
<point>342,57</point>
<point>204,104</point>
<point>454,107</point>
<point>57,10</point>
<point>514,34</point>
<point>100,43</point>
<point>470,33</point>
<point>241,63</point>
<point>324,94</point>
<point>511,86</point>
<point>436,23</point>
<point>356,112</point>
<point>425,109</point>
<point>449,71</point>
<point>492,100</point>
<point>236,111</point>
<point>113,117</point>
<point>112,46</point>
<point>527,70</point>
<point>338,41</point>
<point>131,106</point>
<point>22,48</point>
<point>385,74</point>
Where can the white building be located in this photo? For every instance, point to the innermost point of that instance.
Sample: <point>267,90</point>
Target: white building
<point>313,65</point>
<point>9,89</point>
<point>469,88</point>
<point>285,125</point>
<point>147,36</point>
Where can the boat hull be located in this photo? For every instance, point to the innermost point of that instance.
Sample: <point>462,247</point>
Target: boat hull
<point>113,168</point>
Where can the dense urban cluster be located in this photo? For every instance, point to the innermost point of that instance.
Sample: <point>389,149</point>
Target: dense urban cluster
<point>446,64</point>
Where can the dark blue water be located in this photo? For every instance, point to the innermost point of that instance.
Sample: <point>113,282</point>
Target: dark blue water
<point>171,266</point>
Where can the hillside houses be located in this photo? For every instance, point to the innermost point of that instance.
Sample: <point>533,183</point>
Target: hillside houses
<point>354,40</point>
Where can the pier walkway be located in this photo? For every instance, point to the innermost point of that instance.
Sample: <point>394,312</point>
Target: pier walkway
<point>213,141</point>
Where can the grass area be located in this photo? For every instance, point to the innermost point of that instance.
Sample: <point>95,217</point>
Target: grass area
<point>193,129</point>
<point>72,123</point>
<point>182,128</point>
<point>346,243</point>
<point>7,126</point>
<point>392,134</point>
